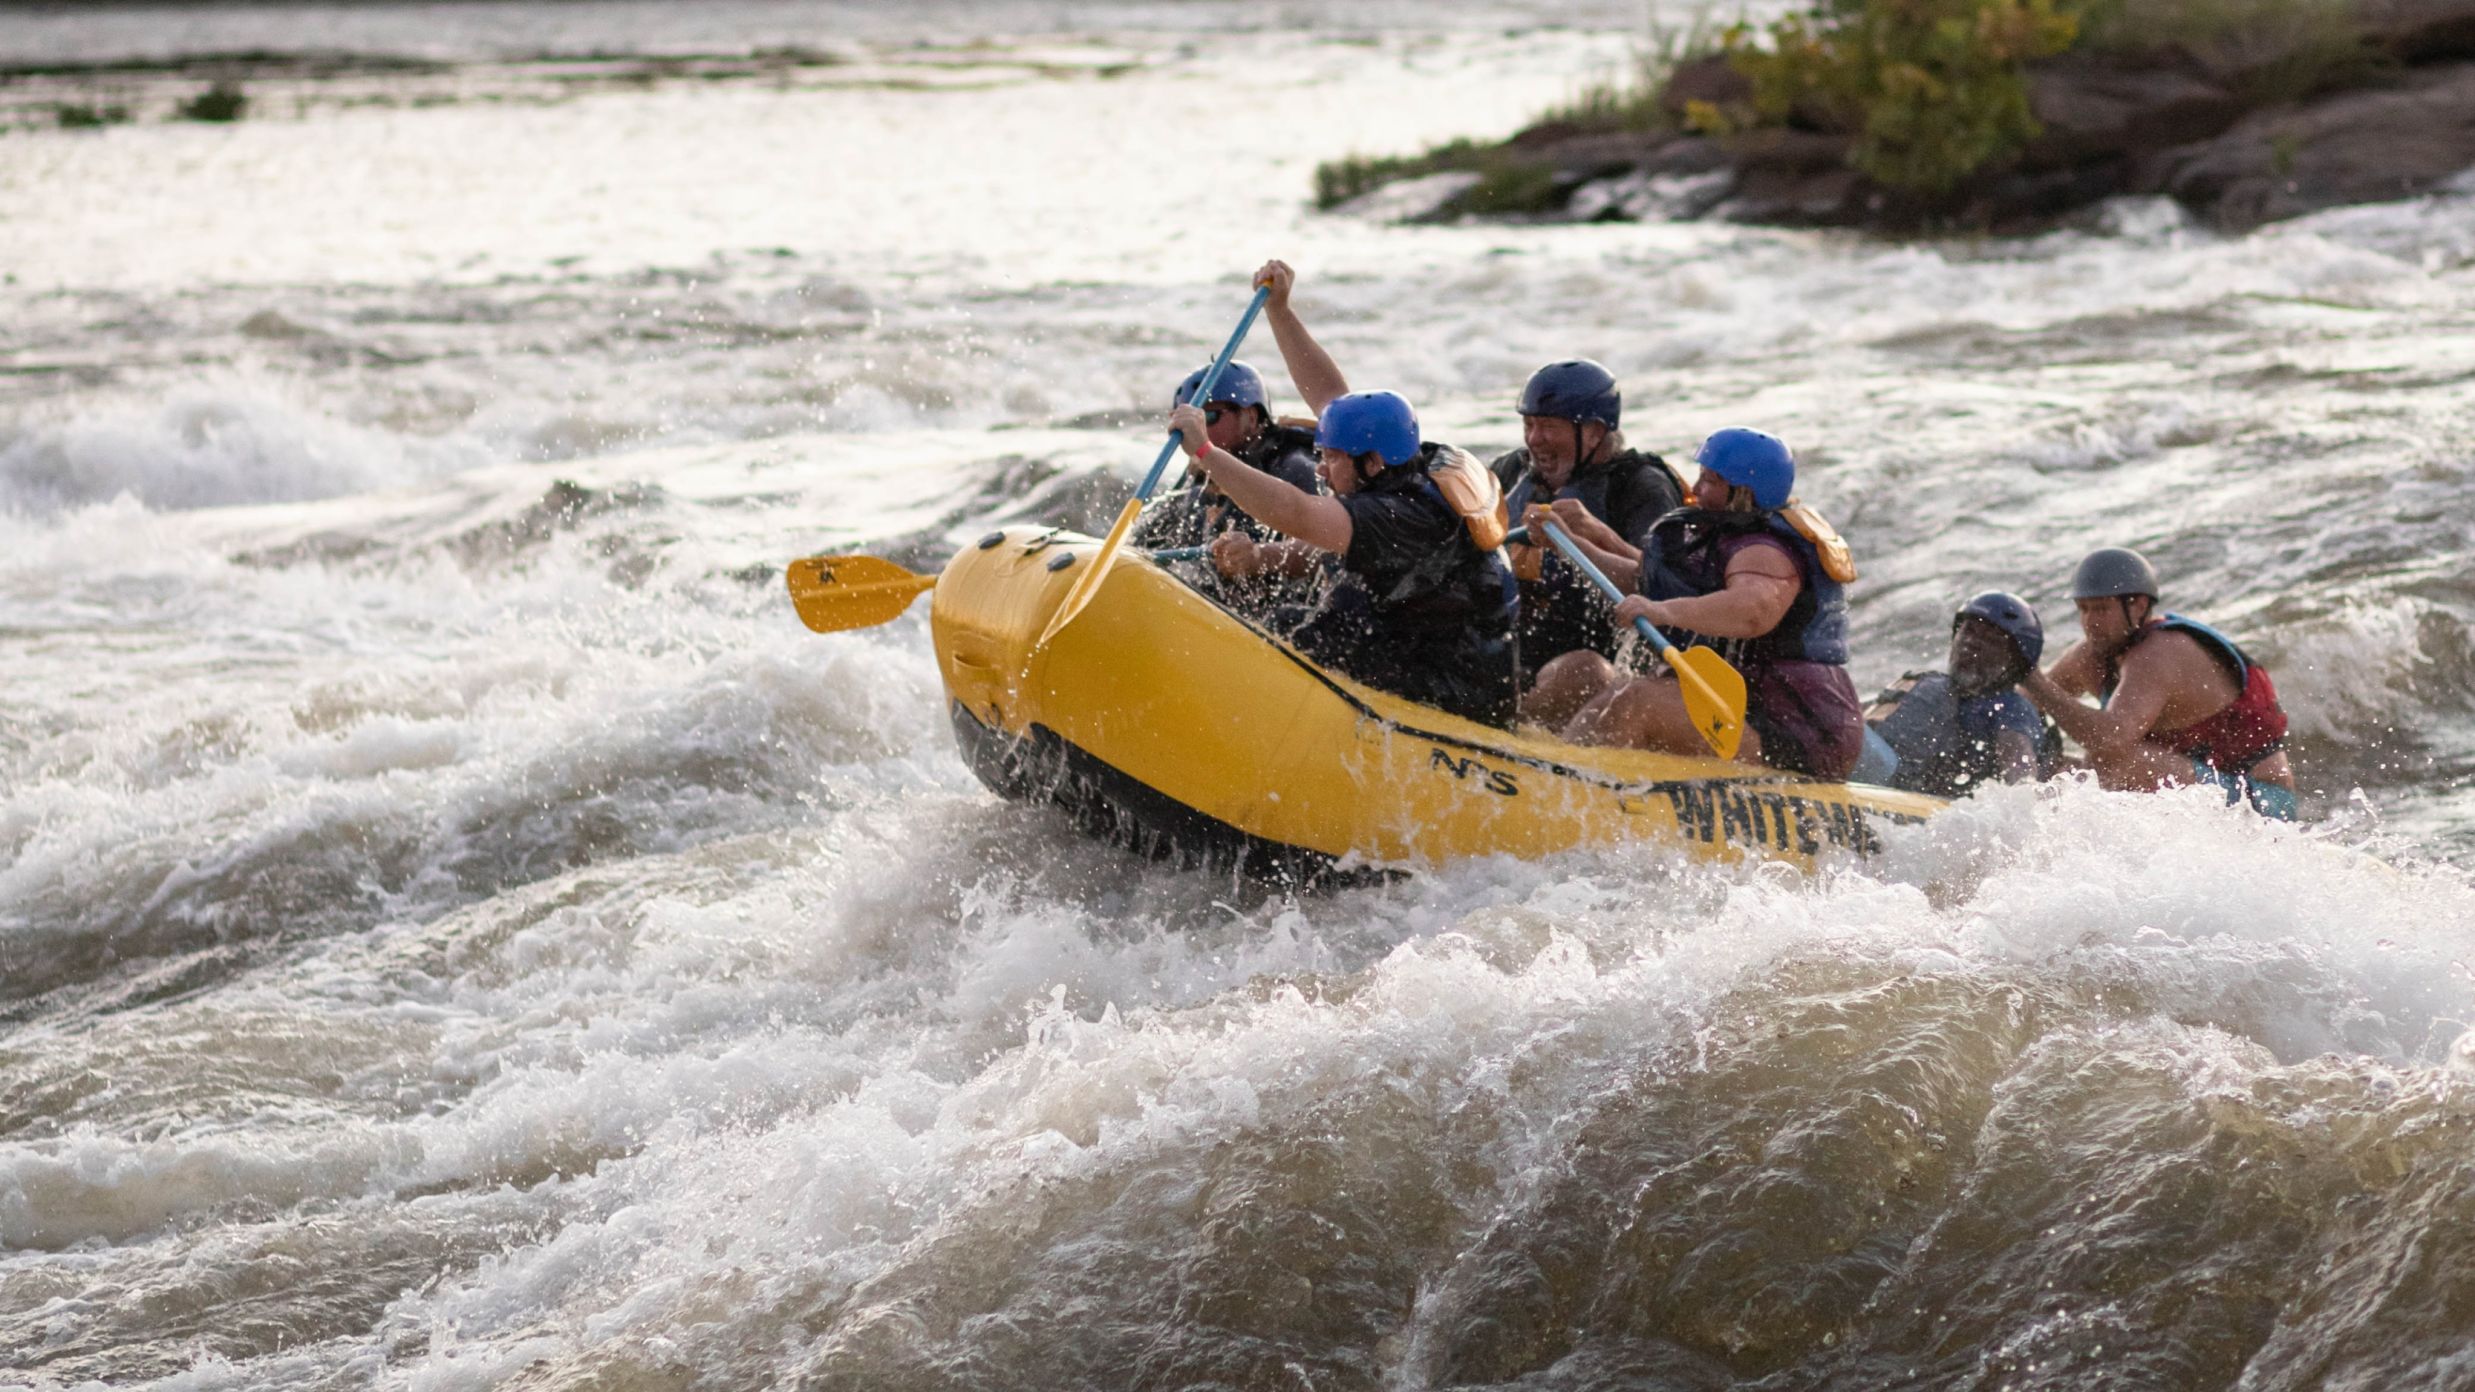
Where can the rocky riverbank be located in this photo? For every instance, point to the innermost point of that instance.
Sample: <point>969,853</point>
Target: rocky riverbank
<point>2215,126</point>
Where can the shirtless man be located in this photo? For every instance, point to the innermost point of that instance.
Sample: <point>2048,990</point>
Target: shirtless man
<point>2178,701</point>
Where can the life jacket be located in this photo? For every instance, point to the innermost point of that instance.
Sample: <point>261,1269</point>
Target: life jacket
<point>2247,730</point>
<point>1441,629</point>
<point>1593,484</point>
<point>1687,557</point>
<point>1925,723</point>
<point>1469,490</point>
<point>1453,586</point>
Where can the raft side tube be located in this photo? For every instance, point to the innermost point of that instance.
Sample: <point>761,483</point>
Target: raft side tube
<point>1164,722</point>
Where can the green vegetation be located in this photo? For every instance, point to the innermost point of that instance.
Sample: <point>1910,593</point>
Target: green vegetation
<point>1930,94</point>
<point>1634,98</point>
<point>82,116</point>
<point>1338,181</point>
<point>222,102</point>
<point>1507,182</point>
<point>1932,90</point>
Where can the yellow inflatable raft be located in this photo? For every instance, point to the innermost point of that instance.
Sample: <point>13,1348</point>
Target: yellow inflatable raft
<point>1162,722</point>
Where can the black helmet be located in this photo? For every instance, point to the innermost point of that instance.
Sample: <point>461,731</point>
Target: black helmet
<point>2114,573</point>
<point>1576,390</point>
<point>2011,614</point>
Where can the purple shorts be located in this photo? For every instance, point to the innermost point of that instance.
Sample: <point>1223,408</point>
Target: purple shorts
<point>1807,715</point>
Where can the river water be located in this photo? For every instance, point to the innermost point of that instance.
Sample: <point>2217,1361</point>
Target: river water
<point>457,930</point>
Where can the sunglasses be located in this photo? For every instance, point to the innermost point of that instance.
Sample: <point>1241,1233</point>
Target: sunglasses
<point>1212,415</point>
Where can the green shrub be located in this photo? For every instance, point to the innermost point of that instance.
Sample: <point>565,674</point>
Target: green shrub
<point>1932,90</point>
<point>1510,184</point>
<point>1338,181</point>
<point>222,102</point>
<point>82,116</point>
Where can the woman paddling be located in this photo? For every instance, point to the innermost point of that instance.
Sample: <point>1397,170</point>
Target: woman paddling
<point>1741,568</point>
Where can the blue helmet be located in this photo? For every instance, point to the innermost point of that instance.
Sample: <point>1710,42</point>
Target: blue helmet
<point>1380,421</point>
<point>1576,390</point>
<point>1238,384</point>
<point>1752,459</point>
<point>2012,615</point>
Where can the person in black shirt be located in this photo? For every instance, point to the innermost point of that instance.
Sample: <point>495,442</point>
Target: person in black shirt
<point>1418,606</point>
<point>1573,461</point>
<point>1240,421</point>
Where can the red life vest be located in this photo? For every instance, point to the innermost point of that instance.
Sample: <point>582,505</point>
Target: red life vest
<point>2246,730</point>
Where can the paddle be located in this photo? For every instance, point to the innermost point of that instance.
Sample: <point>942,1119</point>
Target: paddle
<point>1714,692</point>
<point>1089,583</point>
<point>833,593</point>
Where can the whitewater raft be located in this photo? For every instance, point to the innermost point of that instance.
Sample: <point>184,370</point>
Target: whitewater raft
<point>1162,722</point>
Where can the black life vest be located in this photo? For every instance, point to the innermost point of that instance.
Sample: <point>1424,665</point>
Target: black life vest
<point>1685,558</point>
<point>1455,586</point>
<point>1594,484</point>
<point>1197,513</point>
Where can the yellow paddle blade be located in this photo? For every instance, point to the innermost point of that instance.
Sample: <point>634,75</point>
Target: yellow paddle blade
<point>1088,584</point>
<point>1714,696</point>
<point>833,593</point>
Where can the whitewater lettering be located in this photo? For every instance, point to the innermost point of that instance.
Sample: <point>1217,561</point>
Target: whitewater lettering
<point>1717,811</point>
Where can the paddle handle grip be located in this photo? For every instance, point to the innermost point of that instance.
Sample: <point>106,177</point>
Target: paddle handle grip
<point>1203,389</point>
<point>1606,586</point>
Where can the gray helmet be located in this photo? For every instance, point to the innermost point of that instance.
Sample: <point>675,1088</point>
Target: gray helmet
<point>2115,572</point>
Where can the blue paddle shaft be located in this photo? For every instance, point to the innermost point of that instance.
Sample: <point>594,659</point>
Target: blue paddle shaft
<point>1606,586</point>
<point>1203,391</point>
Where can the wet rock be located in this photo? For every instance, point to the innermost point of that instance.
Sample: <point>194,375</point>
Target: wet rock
<point>1424,199</point>
<point>1797,198</point>
<point>2093,111</point>
<point>2245,127</point>
<point>2355,147</point>
<point>2419,31</point>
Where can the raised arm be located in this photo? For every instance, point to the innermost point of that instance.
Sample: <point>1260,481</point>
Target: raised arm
<point>1314,518</point>
<point>1318,378</point>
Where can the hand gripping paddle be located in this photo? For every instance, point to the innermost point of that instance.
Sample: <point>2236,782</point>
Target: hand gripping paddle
<point>1714,692</point>
<point>1089,583</point>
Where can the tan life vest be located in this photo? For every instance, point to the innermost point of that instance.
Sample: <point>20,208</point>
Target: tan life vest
<point>1474,493</point>
<point>1837,562</point>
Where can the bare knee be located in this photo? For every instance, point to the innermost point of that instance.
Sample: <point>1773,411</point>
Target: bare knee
<point>1630,713</point>
<point>1565,685</point>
